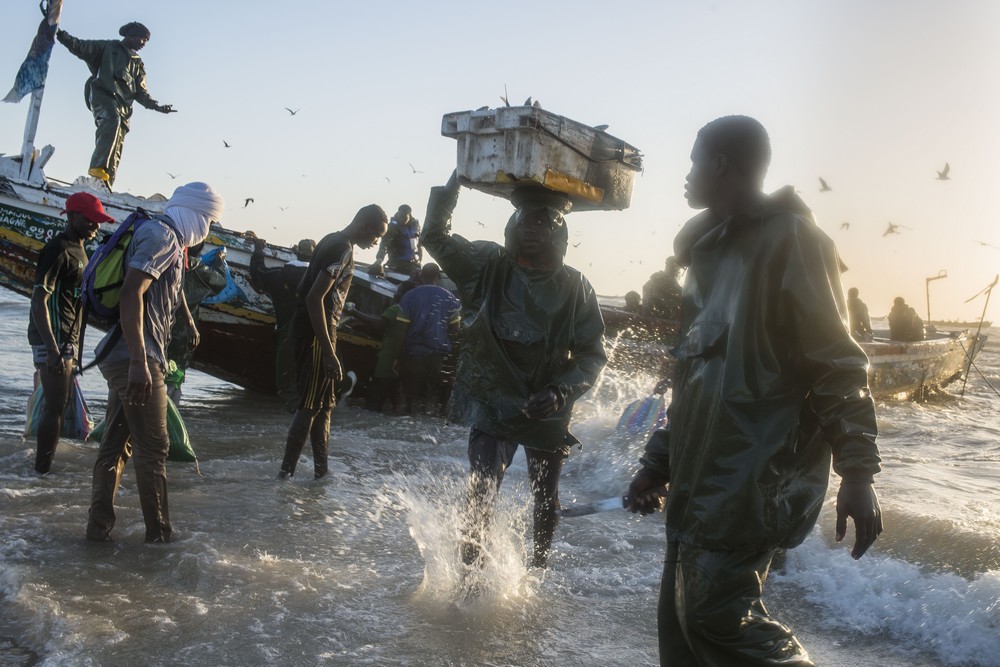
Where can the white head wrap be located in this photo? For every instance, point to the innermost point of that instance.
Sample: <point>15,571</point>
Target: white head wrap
<point>191,209</point>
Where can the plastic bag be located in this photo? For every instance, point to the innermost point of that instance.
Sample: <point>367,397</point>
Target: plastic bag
<point>77,423</point>
<point>180,443</point>
<point>642,417</point>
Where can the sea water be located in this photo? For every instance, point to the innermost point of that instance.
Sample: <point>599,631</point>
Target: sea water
<point>362,568</point>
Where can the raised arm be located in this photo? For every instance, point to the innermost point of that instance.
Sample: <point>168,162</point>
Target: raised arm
<point>461,259</point>
<point>87,50</point>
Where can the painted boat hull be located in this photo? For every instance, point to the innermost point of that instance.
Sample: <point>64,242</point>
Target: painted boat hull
<point>237,342</point>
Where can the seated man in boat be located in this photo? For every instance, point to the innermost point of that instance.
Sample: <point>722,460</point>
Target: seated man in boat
<point>400,246</point>
<point>281,283</point>
<point>769,388</point>
<point>117,79</point>
<point>533,344</point>
<point>857,314</point>
<point>318,307</point>
<point>633,302</point>
<point>661,295</point>
<point>904,323</point>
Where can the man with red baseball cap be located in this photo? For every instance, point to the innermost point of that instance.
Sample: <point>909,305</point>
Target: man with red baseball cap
<point>56,316</point>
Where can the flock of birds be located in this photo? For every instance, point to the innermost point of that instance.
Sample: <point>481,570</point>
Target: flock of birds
<point>893,228</point>
<point>291,112</point>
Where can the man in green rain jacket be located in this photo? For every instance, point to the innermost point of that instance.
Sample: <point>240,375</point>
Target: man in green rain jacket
<point>769,387</point>
<point>117,78</point>
<point>532,345</point>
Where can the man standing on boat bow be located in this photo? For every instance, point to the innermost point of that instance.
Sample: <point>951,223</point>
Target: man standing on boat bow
<point>117,79</point>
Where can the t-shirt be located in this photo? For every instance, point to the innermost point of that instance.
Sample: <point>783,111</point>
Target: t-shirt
<point>154,250</point>
<point>334,255</point>
<point>60,273</point>
<point>429,310</point>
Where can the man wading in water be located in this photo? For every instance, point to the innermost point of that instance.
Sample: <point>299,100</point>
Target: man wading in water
<point>532,345</point>
<point>769,386</point>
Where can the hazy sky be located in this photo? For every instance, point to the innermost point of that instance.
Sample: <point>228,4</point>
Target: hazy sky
<point>874,97</point>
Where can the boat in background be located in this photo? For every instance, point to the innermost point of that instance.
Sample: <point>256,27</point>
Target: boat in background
<point>915,369</point>
<point>951,324</point>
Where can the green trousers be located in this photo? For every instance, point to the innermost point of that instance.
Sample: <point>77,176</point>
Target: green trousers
<point>711,615</point>
<point>112,126</point>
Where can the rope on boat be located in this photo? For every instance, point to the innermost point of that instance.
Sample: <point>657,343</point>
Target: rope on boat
<point>972,363</point>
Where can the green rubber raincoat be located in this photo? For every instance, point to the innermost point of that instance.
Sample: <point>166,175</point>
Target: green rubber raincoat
<point>769,384</point>
<point>118,76</point>
<point>524,330</point>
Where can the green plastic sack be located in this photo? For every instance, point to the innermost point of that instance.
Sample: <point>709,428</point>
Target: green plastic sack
<point>180,443</point>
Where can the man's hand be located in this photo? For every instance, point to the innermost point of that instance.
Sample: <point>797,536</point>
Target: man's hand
<point>258,243</point>
<point>858,500</point>
<point>542,404</point>
<point>166,108</point>
<point>54,363</point>
<point>646,492</point>
<point>140,383</point>
<point>193,335</point>
<point>332,367</point>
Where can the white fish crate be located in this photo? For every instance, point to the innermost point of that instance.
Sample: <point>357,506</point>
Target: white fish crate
<point>501,149</point>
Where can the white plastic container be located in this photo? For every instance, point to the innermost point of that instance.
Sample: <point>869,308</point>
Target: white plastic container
<point>501,149</point>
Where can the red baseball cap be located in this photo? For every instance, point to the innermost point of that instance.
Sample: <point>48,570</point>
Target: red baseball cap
<point>89,205</point>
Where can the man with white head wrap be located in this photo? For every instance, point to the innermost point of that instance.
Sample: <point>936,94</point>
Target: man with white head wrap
<point>134,359</point>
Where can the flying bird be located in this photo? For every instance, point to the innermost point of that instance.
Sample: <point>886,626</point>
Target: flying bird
<point>283,208</point>
<point>943,174</point>
<point>247,202</point>
<point>387,179</point>
<point>291,112</point>
<point>226,144</point>
<point>845,225</point>
<point>891,229</point>
<point>823,187</point>
<point>481,224</point>
<point>415,170</point>
<point>577,244</point>
<point>988,245</point>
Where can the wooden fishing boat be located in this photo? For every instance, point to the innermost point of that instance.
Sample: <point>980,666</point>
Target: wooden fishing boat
<point>236,337</point>
<point>913,369</point>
